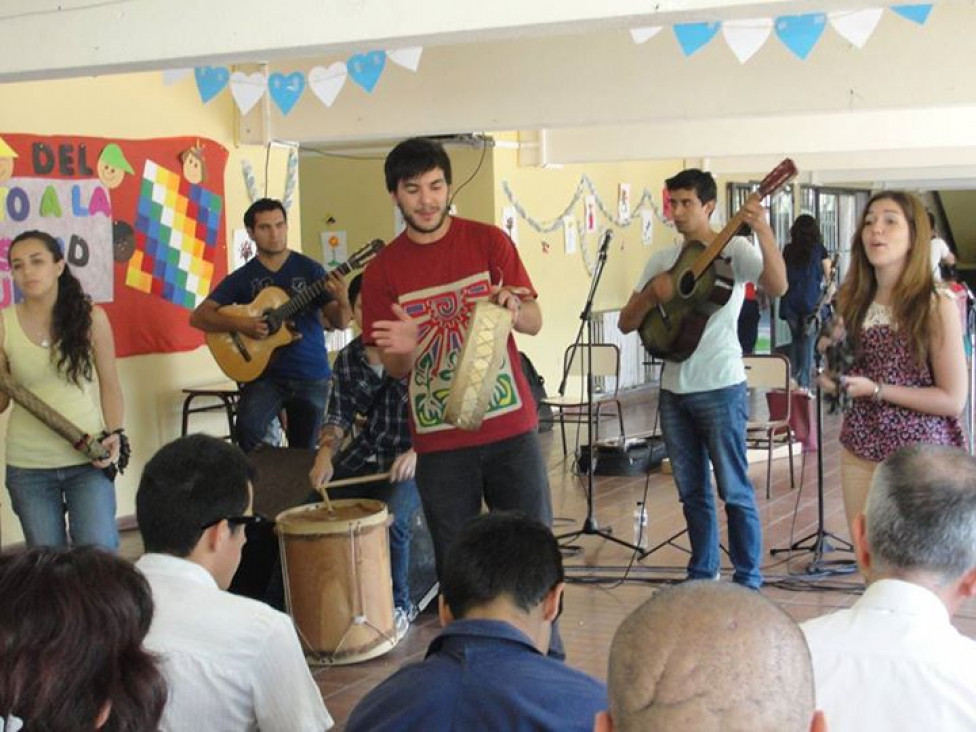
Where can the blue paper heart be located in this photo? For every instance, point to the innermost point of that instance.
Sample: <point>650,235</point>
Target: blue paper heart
<point>211,80</point>
<point>285,90</point>
<point>915,13</point>
<point>800,33</point>
<point>365,68</point>
<point>692,36</point>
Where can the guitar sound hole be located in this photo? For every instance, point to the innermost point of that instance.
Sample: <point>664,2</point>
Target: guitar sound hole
<point>686,283</point>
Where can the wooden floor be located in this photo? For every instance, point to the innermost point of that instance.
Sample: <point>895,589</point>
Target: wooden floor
<point>606,582</point>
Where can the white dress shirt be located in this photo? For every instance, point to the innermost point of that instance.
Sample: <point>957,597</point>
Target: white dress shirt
<point>231,663</point>
<point>893,662</point>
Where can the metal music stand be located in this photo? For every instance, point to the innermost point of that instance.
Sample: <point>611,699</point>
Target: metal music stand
<point>818,542</point>
<point>590,525</point>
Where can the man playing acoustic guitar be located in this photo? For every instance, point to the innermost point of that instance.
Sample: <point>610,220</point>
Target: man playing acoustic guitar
<point>297,378</point>
<point>703,398</point>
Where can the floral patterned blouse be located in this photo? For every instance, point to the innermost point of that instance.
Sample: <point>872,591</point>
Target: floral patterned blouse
<point>874,430</point>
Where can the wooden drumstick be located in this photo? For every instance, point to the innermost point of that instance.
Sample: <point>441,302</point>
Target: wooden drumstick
<point>324,489</point>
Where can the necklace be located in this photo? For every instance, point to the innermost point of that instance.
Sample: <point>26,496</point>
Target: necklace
<point>45,343</point>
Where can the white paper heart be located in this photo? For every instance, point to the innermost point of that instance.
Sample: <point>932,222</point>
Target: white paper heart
<point>247,89</point>
<point>326,83</point>
<point>855,26</point>
<point>408,58</point>
<point>745,37</point>
<point>643,35</point>
<point>171,76</point>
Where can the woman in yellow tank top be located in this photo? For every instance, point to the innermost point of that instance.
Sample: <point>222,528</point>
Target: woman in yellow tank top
<point>58,345</point>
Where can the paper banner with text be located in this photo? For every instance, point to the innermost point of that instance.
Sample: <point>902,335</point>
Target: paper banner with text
<point>140,223</point>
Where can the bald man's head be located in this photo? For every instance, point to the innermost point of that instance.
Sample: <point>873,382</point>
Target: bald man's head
<point>710,656</point>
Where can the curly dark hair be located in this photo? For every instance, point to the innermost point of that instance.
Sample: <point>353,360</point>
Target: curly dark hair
<point>71,321</point>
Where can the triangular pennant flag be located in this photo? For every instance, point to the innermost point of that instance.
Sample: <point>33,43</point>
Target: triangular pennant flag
<point>327,82</point>
<point>408,58</point>
<point>745,37</point>
<point>285,90</point>
<point>692,36</point>
<point>915,13</point>
<point>211,80</point>
<point>171,76</point>
<point>643,35</point>
<point>855,26</point>
<point>247,89</point>
<point>800,33</point>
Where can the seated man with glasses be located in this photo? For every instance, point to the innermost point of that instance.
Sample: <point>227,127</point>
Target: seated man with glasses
<point>501,590</point>
<point>231,663</point>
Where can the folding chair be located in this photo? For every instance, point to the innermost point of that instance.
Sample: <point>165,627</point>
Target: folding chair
<point>571,405</point>
<point>765,373</point>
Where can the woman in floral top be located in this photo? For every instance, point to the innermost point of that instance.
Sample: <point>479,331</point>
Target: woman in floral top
<point>908,381</point>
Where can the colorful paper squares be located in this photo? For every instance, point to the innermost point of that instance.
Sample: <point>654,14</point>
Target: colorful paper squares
<point>177,224</point>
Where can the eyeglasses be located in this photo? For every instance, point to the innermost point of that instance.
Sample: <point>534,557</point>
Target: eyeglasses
<point>235,521</point>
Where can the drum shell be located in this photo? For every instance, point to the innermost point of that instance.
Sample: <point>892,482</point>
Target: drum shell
<point>336,569</point>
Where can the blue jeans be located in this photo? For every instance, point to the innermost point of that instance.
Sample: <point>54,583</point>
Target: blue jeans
<point>41,497</point>
<point>402,500</point>
<point>303,401</point>
<point>712,425</point>
<point>801,351</point>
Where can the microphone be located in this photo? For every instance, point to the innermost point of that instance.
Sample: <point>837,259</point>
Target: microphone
<point>605,246</point>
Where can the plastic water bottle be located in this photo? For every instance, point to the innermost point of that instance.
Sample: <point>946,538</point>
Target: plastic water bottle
<point>640,525</point>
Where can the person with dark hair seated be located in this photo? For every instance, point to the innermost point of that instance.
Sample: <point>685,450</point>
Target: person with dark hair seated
<point>501,591</point>
<point>72,623</point>
<point>232,663</point>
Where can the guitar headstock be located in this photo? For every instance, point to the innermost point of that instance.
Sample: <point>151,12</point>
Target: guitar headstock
<point>364,256</point>
<point>777,178</point>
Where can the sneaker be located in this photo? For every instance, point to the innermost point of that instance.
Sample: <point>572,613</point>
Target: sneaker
<point>401,622</point>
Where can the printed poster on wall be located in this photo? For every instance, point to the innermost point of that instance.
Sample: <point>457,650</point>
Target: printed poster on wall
<point>141,224</point>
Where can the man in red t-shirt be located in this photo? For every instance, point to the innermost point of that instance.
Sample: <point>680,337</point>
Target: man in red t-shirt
<point>417,300</point>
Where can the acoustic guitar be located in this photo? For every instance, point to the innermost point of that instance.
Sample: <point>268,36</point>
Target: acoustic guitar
<point>243,358</point>
<point>701,284</point>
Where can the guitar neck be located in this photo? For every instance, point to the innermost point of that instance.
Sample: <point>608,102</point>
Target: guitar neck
<point>717,244</point>
<point>302,300</point>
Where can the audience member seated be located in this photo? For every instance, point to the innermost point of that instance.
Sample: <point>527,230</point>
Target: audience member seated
<point>72,623</point>
<point>231,663</point>
<point>704,656</point>
<point>893,661</point>
<point>502,589</point>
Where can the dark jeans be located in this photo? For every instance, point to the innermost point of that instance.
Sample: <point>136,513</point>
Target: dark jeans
<point>748,325</point>
<point>508,475</point>
<point>303,401</point>
<point>802,340</point>
<point>703,427</point>
<point>402,501</point>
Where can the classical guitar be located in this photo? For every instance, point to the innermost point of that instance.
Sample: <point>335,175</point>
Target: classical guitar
<point>702,283</point>
<point>243,358</point>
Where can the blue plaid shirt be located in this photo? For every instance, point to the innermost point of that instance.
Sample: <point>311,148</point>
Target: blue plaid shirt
<point>358,389</point>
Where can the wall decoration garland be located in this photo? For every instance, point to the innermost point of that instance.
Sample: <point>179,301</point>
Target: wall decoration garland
<point>566,219</point>
<point>285,89</point>
<point>799,33</point>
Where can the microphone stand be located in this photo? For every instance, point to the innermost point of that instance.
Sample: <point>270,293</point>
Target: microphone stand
<point>590,525</point>
<point>971,338</point>
<point>818,542</point>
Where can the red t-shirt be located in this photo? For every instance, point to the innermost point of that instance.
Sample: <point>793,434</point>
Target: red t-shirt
<point>438,285</point>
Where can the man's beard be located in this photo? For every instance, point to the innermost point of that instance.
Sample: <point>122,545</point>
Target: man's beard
<point>413,224</point>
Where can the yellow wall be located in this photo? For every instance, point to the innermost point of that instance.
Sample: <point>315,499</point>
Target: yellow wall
<point>562,279</point>
<point>351,190</point>
<point>141,106</point>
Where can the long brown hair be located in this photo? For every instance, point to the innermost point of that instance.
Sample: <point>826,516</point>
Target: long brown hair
<point>71,320</point>
<point>912,301</point>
